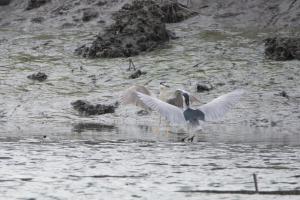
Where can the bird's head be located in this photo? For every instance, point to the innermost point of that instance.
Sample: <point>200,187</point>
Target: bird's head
<point>178,93</point>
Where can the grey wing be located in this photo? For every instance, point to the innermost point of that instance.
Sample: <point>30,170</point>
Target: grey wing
<point>218,107</point>
<point>172,113</point>
<point>129,96</point>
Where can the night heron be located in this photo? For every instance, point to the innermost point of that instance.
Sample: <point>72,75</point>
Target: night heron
<point>129,96</point>
<point>211,111</point>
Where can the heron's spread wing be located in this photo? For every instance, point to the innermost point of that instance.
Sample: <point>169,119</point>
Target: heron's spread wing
<point>170,112</point>
<point>129,96</point>
<point>218,107</point>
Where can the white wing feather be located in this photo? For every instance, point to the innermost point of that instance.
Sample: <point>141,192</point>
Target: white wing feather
<point>218,107</point>
<point>129,96</point>
<point>172,113</point>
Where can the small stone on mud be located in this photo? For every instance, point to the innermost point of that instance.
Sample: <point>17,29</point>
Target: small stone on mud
<point>37,20</point>
<point>284,94</point>
<point>88,15</point>
<point>101,22</point>
<point>273,123</point>
<point>204,87</point>
<point>26,179</point>
<point>40,76</point>
<point>86,108</point>
<point>101,3</point>
<point>136,74</point>
<point>142,112</point>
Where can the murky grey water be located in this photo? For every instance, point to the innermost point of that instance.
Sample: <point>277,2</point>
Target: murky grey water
<point>125,156</point>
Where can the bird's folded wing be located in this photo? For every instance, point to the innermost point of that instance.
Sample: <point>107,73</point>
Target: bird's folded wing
<point>218,107</point>
<point>172,113</point>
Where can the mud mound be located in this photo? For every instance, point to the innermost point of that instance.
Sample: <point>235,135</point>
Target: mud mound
<point>86,108</point>
<point>138,27</point>
<point>282,48</point>
<point>40,76</point>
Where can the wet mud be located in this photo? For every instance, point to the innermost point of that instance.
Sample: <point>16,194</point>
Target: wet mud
<point>51,151</point>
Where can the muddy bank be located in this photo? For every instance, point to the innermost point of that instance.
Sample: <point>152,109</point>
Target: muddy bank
<point>248,14</point>
<point>138,27</point>
<point>68,14</point>
<point>4,2</point>
<point>93,13</point>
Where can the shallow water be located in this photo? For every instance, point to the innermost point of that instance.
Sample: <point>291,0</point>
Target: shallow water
<point>48,151</point>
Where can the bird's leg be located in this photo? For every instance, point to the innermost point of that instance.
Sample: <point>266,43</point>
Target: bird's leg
<point>167,128</point>
<point>126,114</point>
<point>190,137</point>
<point>157,128</point>
<point>159,125</point>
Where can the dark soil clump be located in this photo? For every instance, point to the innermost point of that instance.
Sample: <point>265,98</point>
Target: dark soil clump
<point>37,20</point>
<point>4,2</point>
<point>203,87</point>
<point>136,74</point>
<point>86,108</point>
<point>138,27</point>
<point>36,4</point>
<point>40,76</point>
<point>101,3</point>
<point>89,14</point>
<point>284,94</point>
<point>282,49</point>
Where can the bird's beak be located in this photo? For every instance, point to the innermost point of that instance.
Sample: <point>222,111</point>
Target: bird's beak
<point>164,84</point>
<point>192,97</point>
